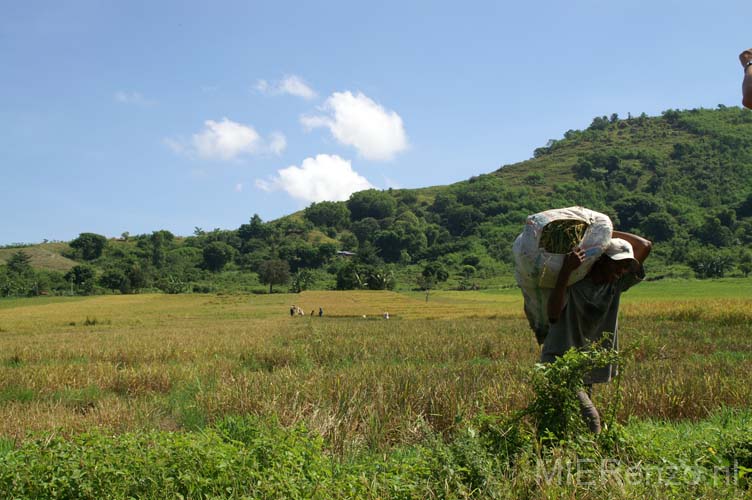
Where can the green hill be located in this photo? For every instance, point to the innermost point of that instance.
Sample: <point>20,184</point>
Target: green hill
<point>683,179</point>
<point>46,256</point>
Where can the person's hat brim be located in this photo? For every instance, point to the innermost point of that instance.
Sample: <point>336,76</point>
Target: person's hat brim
<point>619,249</point>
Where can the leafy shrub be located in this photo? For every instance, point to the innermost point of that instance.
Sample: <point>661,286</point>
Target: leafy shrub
<point>555,409</point>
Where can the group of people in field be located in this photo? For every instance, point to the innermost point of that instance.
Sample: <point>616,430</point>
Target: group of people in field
<point>586,312</point>
<point>298,311</point>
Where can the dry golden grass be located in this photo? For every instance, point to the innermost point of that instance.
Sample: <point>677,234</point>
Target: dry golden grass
<point>43,256</point>
<point>172,362</point>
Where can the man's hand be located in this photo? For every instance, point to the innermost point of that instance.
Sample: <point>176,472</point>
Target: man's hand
<point>573,260</point>
<point>745,57</point>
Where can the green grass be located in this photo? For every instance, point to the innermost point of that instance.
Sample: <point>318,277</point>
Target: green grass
<point>712,289</point>
<point>13,302</point>
<point>17,393</point>
<point>704,441</point>
<point>257,458</point>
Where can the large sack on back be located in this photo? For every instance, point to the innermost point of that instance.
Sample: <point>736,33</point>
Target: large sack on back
<point>537,269</point>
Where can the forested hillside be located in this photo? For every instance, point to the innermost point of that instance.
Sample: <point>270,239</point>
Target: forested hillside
<point>683,179</point>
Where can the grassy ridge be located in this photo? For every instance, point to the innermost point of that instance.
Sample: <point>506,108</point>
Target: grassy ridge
<point>46,256</point>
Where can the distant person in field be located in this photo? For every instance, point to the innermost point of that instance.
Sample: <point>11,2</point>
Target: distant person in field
<point>321,312</point>
<point>292,310</point>
<point>587,311</point>
<point>746,59</point>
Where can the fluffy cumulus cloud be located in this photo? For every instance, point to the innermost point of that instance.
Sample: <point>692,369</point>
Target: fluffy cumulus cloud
<point>227,140</point>
<point>292,85</point>
<point>356,120</point>
<point>323,178</point>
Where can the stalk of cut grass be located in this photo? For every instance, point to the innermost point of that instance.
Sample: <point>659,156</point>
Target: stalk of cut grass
<point>561,236</point>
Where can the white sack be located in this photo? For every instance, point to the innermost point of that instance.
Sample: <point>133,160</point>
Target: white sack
<point>536,270</point>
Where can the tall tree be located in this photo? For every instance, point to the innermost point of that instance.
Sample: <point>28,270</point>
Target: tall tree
<point>89,245</point>
<point>274,272</point>
<point>19,263</point>
<point>371,203</point>
<point>82,277</point>
<point>160,244</point>
<point>115,279</point>
<point>217,254</point>
<point>328,214</point>
<point>254,229</point>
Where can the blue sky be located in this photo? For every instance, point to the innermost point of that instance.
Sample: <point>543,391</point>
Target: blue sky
<point>137,116</point>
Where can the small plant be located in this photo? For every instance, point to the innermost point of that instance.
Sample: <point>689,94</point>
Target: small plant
<point>172,285</point>
<point>14,360</point>
<point>556,409</point>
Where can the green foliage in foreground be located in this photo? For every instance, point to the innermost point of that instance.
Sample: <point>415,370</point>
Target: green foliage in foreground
<point>248,458</point>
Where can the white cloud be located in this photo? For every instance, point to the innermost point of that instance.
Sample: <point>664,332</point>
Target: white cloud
<point>358,121</point>
<point>294,85</point>
<point>277,143</point>
<point>291,84</point>
<point>226,140</point>
<point>130,97</point>
<point>239,187</point>
<point>265,185</point>
<point>323,178</point>
<point>175,145</point>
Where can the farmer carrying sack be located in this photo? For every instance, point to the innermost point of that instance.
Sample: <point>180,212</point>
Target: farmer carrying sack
<point>536,269</point>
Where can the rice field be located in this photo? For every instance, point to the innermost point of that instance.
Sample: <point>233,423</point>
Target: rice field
<point>179,362</point>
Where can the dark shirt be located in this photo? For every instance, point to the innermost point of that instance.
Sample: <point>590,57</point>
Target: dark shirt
<point>590,310</point>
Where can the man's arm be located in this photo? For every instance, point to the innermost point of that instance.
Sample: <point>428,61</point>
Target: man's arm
<point>556,300</point>
<point>745,57</point>
<point>640,245</point>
